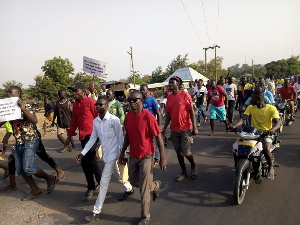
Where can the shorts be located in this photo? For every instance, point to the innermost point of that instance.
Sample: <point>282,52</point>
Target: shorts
<point>6,137</point>
<point>217,112</point>
<point>268,139</point>
<point>49,118</point>
<point>182,141</point>
<point>24,156</point>
<point>62,130</point>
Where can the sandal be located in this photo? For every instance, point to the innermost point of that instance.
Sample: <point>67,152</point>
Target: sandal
<point>194,174</point>
<point>30,196</point>
<point>181,177</point>
<point>270,176</point>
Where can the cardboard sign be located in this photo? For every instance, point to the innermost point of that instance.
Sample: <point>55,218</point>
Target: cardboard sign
<point>9,109</point>
<point>94,67</point>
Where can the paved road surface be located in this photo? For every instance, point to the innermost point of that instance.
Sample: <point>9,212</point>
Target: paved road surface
<point>207,200</point>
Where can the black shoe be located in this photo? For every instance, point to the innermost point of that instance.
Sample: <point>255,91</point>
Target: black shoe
<point>144,221</point>
<point>125,195</point>
<point>92,218</point>
<point>88,194</point>
<point>155,194</point>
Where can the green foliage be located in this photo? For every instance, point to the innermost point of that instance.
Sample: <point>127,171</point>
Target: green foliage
<point>88,79</point>
<point>157,75</point>
<point>138,78</point>
<point>58,70</point>
<point>8,84</point>
<point>283,67</point>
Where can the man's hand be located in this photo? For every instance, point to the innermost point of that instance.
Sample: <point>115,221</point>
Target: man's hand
<point>21,104</point>
<point>195,131</point>
<point>230,127</point>
<point>163,164</point>
<point>270,132</point>
<point>122,159</point>
<point>163,132</point>
<point>78,158</point>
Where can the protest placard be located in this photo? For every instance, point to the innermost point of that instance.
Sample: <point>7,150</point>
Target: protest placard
<point>94,67</point>
<point>9,109</point>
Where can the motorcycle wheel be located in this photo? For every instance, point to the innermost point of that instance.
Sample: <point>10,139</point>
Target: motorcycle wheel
<point>239,190</point>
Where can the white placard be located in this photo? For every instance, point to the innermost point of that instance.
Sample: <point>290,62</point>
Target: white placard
<point>94,67</point>
<point>9,109</point>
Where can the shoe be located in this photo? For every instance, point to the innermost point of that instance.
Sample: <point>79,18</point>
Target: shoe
<point>155,194</point>
<point>92,218</point>
<point>125,195</point>
<point>181,177</point>
<point>88,194</point>
<point>64,150</point>
<point>144,221</point>
<point>97,186</point>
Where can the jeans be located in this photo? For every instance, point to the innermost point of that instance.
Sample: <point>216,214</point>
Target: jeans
<point>200,112</point>
<point>231,104</point>
<point>89,164</point>
<point>156,154</point>
<point>24,156</point>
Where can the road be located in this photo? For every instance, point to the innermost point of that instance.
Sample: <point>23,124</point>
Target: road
<point>207,200</point>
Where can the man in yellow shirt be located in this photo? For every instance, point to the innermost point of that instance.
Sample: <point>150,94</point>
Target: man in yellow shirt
<point>127,90</point>
<point>263,117</point>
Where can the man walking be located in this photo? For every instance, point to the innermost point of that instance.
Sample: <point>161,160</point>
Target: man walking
<point>141,126</point>
<point>179,111</point>
<point>217,109</point>
<point>63,113</point>
<point>84,112</point>
<point>231,91</point>
<point>108,129</point>
<point>151,105</point>
<point>48,115</point>
<point>199,93</point>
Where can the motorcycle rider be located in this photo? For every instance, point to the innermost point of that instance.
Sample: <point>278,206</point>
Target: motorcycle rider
<point>263,117</point>
<point>288,93</point>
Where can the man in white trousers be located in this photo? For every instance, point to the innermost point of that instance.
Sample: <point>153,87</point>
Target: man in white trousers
<point>108,129</point>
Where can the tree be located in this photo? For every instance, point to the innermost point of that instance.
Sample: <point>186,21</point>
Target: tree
<point>8,84</point>
<point>157,75</point>
<point>88,79</point>
<point>211,68</point>
<point>175,64</point>
<point>138,79</point>
<point>58,70</point>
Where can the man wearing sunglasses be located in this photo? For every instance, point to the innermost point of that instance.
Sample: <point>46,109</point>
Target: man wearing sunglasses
<point>141,126</point>
<point>106,128</point>
<point>179,111</point>
<point>84,112</point>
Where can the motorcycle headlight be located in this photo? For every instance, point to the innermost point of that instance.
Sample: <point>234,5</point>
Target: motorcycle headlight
<point>246,135</point>
<point>281,105</point>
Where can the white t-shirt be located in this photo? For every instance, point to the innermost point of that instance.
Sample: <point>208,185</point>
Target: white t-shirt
<point>198,91</point>
<point>230,88</point>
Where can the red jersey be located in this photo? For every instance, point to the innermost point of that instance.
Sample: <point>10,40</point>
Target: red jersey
<point>178,106</point>
<point>141,128</point>
<point>216,96</point>
<point>287,93</point>
<point>84,113</point>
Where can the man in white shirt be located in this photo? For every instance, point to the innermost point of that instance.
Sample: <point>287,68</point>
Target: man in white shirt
<point>271,85</point>
<point>231,91</point>
<point>108,129</point>
<point>199,93</point>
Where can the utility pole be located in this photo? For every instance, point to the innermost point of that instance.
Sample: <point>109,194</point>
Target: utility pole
<point>216,46</point>
<point>131,56</point>
<point>205,49</point>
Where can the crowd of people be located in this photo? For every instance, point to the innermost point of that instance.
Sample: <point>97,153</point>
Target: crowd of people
<point>135,138</point>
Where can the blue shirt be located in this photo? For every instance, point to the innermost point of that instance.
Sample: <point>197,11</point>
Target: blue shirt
<point>150,104</point>
<point>270,96</point>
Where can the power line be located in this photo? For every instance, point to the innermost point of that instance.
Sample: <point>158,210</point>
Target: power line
<point>205,22</point>
<point>191,22</point>
<point>218,22</point>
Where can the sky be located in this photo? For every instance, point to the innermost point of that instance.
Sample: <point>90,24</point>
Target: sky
<point>34,31</point>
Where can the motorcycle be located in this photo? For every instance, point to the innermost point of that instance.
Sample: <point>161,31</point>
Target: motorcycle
<point>250,162</point>
<point>285,112</point>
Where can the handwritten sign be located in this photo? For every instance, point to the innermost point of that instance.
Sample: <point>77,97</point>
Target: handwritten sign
<point>94,67</point>
<point>9,109</point>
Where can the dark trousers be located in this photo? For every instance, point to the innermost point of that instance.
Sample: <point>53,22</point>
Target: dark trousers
<point>231,104</point>
<point>89,164</point>
<point>40,152</point>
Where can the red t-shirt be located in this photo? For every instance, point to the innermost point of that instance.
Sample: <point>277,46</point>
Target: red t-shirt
<point>141,128</point>
<point>216,96</point>
<point>178,106</point>
<point>287,93</point>
<point>84,113</point>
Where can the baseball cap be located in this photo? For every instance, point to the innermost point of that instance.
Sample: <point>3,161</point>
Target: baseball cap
<point>78,86</point>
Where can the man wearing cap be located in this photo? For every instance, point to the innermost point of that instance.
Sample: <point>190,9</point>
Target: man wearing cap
<point>179,111</point>
<point>84,113</point>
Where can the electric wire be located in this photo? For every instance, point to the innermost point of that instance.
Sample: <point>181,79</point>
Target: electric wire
<point>218,22</point>
<point>205,21</point>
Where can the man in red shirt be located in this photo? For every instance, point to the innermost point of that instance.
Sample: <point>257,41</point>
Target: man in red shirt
<point>217,109</point>
<point>179,111</point>
<point>288,93</point>
<point>84,113</point>
<point>141,126</point>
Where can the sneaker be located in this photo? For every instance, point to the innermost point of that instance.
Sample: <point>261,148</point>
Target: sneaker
<point>92,218</point>
<point>155,194</point>
<point>144,221</point>
<point>88,194</point>
<point>125,195</point>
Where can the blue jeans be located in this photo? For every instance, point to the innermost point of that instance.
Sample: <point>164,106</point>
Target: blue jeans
<point>24,156</point>
<point>200,112</point>
<point>156,155</point>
